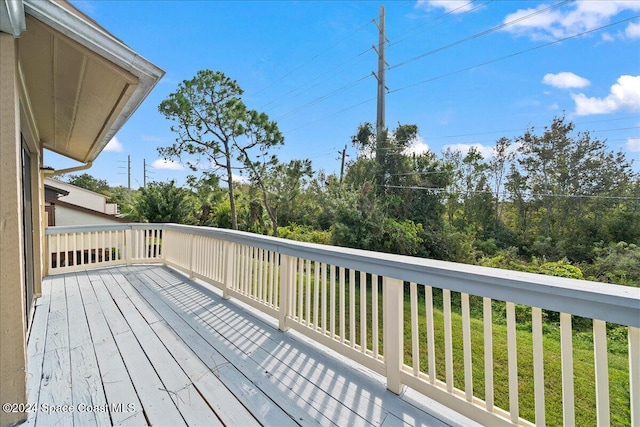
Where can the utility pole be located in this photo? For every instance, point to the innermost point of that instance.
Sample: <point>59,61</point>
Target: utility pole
<point>380,113</point>
<point>343,153</point>
<point>128,173</point>
<point>144,173</point>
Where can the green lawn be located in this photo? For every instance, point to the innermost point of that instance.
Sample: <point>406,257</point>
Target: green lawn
<point>584,373</point>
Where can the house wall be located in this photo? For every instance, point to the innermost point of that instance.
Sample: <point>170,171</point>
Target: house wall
<point>68,216</point>
<point>81,197</point>
<point>12,319</point>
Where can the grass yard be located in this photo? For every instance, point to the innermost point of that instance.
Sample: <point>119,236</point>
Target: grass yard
<point>583,357</point>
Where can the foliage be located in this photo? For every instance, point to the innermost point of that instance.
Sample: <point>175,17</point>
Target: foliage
<point>567,181</point>
<point>303,233</point>
<point>616,263</point>
<point>562,268</point>
<point>88,182</point>
<point>208,194</point>
<point>280,185</point>
<point>555,202</point>
<point>164,202</point>
<point>215,129</point>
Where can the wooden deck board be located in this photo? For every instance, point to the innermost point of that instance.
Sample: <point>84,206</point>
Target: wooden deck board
<point>36,348</point>
<point>329,387</point>
<point>192,407</point>
<point>238,384</point>
<point>179,354</point>
<point>55,386</point>
<point>228,361</point>
<point>247,339</point>
<point>305,371</point>
<point>155,398</point>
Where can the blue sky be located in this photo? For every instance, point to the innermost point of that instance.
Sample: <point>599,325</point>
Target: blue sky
<point>466,72</point>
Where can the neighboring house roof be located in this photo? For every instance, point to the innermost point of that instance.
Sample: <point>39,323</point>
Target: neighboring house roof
<point>80,82</point>
<point>52,193</point>
<point>68,187</point>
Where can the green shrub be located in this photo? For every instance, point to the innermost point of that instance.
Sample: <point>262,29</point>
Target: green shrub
<point>562,268</point>
<point>303,233</point>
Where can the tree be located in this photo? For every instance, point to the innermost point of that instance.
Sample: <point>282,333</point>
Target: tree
<point>574,180</point>
<point>88,182</point>
<point>392,164</point>
<point>124,198</point>
<point>280,184</point>
<point>164,202</point>
<point>215,128</point>
<point>208,194</point>
<point>498,168</point>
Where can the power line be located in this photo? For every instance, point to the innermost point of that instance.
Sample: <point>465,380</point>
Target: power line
<point>457,72</point>
<point>332,114</point>
<point>324,97</point>
<point>339,66</point>
<point>441,190</point>
<point>481,34</point>
<point>514,54</point>
<point>440,17</point>
<point>318,77</point>
<point>431,138</point>
<point>312,59</point>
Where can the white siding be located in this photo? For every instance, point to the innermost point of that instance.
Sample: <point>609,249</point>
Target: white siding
<point>80,196</point>
<point>68,216</point>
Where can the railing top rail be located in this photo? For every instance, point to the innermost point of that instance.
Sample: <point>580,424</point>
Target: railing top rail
<point>613,303</point>
<point>98,227</point>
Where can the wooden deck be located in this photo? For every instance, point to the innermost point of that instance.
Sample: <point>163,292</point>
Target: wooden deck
<point>144,345</point>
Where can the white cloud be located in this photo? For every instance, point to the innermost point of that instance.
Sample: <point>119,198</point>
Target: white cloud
<point>240,179</point>
<point>486,151</point>
<point>114,146</point>
<point>565,80</point>
<point>417,147</point>
<point>633,30</point>
<point>607,37</point>
<point>624,95</point>
<point>167,164</point>
<point>453,6</point>
<point>633,145</point>
<point>581,16</point>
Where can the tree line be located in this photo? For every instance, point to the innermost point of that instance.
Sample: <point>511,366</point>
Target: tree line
<point>554,200</point>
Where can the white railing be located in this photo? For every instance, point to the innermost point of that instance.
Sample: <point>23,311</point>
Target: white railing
<point>497,346</point>
<point>95,246</point>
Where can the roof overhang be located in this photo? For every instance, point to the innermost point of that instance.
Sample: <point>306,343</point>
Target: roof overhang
<point>12,17</point>
<point>81,84</point>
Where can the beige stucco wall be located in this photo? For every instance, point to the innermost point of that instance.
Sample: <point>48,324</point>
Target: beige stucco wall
<point>12,320</point>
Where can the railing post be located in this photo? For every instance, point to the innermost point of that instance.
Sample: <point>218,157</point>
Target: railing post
<point>229,267</point>
<point>163,247</point>
<point>634,374</point>
<point>393,334</point>
<point>128,245</point>
<point>47,254</point>
<point>287,281</point>
<point>192,242</point>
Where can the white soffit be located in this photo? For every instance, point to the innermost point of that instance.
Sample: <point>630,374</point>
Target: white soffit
<point>108,78</point>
